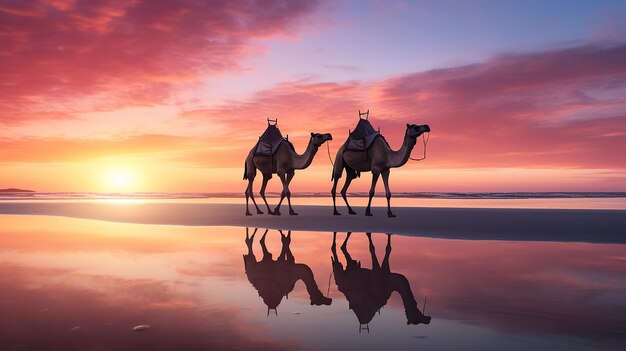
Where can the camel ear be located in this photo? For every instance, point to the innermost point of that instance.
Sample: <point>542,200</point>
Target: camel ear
<point>312,134</point>
<point>408,125</point>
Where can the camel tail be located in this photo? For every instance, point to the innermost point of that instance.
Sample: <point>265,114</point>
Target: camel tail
<point>332,175</point>
<point>245,170</point>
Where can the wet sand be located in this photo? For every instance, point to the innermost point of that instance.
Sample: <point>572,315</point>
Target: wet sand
<point>600,226</point>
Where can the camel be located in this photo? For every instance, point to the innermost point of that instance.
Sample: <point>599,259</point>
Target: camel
<point>367,290</point>
<point>379,158</point>
<point>275,279</point>
<point>284,162</point>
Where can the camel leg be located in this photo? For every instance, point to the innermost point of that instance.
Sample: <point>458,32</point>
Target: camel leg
<point>333,192</point>
<point>350,176</point>
<point>266,178</point>
<point>288,181</point>
<point>248,174</point>
<point>344,249</point>
<point>258,210</point>
<point>372,191</point>
<point>337,266</point>
<point>385,174</point>
<point>290,257</point>
<point>247,196</point>
<point>386,267</point>
<point>267,256</point>
<point>249,240</point>
<point>285,245</point>
<point>250,194</point>
<point>249,259</point>
<point>286,240</point>
<point>283,194</point>
<point>375,264</point>
<point>333,247</point>
<point>337,171</point>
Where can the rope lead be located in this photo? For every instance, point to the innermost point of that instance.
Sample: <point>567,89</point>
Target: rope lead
<point>425,141</point>
<point>330,158</point>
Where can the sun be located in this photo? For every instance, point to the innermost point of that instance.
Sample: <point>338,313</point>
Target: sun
<point>119,180</point>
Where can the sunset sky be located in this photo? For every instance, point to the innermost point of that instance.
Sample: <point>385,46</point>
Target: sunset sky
<point>139,95</point>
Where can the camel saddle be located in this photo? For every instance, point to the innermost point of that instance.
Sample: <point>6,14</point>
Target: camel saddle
<point>269,141</point>
<point>362,136</point>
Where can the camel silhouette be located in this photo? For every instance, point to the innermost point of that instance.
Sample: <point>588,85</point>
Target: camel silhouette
<point>275,279</point>
<point>367,290</point>
<point>379,158</point>
<point>284,162</point>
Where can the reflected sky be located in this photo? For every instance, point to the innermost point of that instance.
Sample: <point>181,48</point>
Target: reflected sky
<point>80,284</point>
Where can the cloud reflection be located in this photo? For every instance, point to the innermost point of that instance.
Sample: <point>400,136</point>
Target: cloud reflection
<point>189,285</point>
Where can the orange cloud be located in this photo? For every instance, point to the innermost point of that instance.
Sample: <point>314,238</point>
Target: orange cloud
<point>57,150</point>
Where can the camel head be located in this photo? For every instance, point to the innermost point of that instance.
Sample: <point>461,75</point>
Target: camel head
<point>414,130</point>
<point>320,299</point>
<point>417,318</point>
<point>318,139</point>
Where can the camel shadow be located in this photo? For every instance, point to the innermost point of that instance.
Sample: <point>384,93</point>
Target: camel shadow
<point>368,290</point>
<point>275,279</point>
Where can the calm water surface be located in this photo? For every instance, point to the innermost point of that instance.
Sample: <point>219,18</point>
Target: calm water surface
<point>69,284</point>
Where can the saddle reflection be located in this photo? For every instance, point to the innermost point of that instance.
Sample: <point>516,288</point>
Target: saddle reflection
<point>275,279</point>
<point>367,290</point>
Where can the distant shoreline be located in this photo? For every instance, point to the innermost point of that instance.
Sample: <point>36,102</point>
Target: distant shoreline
<point>8,194</point>
<point>14,190</point>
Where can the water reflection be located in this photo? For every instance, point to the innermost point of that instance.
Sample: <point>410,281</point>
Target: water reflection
<point>275,279</point>
<point>368,290</point>
<point>187,283</point>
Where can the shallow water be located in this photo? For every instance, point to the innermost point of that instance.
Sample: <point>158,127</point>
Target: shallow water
<point>71,284</point>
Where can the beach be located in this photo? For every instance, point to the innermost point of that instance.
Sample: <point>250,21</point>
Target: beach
<point>570,225</point>
<point>449,175</point>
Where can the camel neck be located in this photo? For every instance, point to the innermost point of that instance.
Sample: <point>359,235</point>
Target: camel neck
<point>400,284</point>
<point>304,273</point>
<point>303,161</point>
<point>401,156</point>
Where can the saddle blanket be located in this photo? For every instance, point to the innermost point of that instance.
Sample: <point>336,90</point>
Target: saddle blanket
<point>269,141</point>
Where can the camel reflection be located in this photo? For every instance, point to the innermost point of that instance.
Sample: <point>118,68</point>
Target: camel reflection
<point>367,290</point>
<point>276,279</point>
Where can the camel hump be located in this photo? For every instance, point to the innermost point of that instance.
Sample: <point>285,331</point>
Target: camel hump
<point>269,141</point>
<point>363,129</point>
<point>362,136</point>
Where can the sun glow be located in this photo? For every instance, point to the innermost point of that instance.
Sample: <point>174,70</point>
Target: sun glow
<point>119,180</point>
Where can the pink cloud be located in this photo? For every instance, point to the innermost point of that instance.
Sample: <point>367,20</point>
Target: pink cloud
<point>559,108</point>
<point>301,107</point>
<point>137,50</point>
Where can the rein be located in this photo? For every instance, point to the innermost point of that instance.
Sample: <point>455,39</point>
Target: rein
<point>425,141</point>
<point>328,291</point>
<point>330,158</point>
